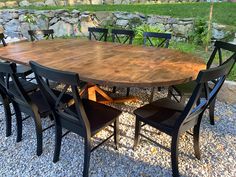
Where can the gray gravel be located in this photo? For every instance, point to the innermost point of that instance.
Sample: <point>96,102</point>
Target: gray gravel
<point>217,149</point>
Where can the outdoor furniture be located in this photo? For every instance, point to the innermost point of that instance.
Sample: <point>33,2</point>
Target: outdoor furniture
<point>22,71</point>
<point>159,40</point>
<point>34,34</point>
<point>163,39</point>
<point>84,117</point>
<point>5,102</point>
<point>100,63</point>
<point>122,36</point>
<point>26,99</point>
<point>99,34</point>
<point>174,118</point>
<point>185,90</point>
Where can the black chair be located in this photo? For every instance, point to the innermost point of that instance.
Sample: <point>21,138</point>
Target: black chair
<point>161,40</point>
<point>185,90</point>
<point>26,99</point>
<point>4,99</point>
<point>174,118</point>
<point>98,34</point>
<point>122,36</point>
<point>34,34</point>
<point>23,71</point>
<point>83,117</point>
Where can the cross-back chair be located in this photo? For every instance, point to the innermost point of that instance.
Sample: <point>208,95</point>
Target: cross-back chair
<point>83,117</point>
<point>124,37</point>
<point>98,34</point>
<point>23,71</point>
<point>26,98</point>
<point>161,40</point>
<point>174,118</point>
<point>5,102</point>
<point>184,90</point>
<point>34,34</point>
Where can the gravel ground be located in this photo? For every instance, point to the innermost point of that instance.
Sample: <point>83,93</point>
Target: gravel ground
<point>217,142</point>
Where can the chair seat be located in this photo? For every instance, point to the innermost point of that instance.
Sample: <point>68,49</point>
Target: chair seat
<point>28,86</point>
<point>161,114</point>
<point>185,89</point>
<point>23,71</point>
<point>99,115</point>
<point>43,107</point>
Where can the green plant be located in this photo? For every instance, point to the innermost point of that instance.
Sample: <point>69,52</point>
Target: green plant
<point>138,40</point>
<point>183,47</point>
<point>31,19</point>
<point>199,34</point>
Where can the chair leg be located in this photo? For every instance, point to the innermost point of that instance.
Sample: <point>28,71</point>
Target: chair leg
<point>18,121</point>
<point>128,91</point>
<point>174,156</point>
<point>170,92</point>
<point>7,110</point>
<point>196,133</point>
<point>152,95</point>
<point>87,152</point>
<point>137,133</point>
<point>116,133</point>
<point>211,111</point>
<point>39,133</point>
<point>58,138</point>
<point>114,90</point>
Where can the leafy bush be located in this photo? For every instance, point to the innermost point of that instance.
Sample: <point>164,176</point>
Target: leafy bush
<point>138,40</point>
<point>199,34</point>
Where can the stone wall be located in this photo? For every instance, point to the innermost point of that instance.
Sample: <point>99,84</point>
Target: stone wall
<point>76,23</point>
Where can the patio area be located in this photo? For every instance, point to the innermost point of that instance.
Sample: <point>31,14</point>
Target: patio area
<point>217,145</point>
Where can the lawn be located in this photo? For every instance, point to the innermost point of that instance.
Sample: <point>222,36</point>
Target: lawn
<point>224,13</point>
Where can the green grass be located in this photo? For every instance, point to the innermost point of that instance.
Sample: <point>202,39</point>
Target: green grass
<point>224,13</point>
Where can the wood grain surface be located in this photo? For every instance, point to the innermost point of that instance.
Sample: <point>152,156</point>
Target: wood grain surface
<point>108,63</point>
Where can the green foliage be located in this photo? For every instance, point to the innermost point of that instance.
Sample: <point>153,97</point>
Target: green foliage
<point>183,47</point>
<point>199,34</point>
<point>138,40</point>
<point>134,22</point>
<point>30,18</point>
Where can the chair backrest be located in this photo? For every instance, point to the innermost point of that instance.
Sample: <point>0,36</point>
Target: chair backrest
<point>219,48</point>
<point>98,34</point>
<point>162,39</point>
<point>11,84</point>
<point>34,34</point>
<point>2,39</point>
<point>208,85</point>
<point>69,82</point>
<point>122,36</point>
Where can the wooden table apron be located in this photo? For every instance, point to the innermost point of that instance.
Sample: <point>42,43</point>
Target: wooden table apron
<point>107,63</point>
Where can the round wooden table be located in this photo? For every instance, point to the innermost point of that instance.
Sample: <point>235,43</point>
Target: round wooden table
<point>108,63</point>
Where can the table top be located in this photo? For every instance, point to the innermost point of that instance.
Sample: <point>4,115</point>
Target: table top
<point>109,63</point>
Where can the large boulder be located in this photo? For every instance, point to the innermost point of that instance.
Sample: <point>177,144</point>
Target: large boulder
<point>12,28</point>
<point>122,23</point>
<point>50,3</point>
<point>2,4</point>
<point>62,28</point>
<point>24,3</point>
<point>11,4</point>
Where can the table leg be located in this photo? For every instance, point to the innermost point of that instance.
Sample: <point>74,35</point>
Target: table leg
<point>93,90</point>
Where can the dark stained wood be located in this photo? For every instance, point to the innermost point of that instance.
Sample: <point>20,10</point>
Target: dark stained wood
<point>108,63</point>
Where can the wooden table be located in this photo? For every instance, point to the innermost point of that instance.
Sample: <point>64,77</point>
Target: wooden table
<point>107,63</point>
